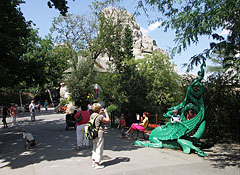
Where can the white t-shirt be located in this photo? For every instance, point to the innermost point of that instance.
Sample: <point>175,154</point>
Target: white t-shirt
<point>32,106</point>
<point>28,136</point>
<point>176,118</point>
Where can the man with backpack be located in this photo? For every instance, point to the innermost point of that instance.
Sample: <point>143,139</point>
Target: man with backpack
<point>98,142</point>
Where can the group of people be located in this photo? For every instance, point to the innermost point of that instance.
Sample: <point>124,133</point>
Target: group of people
<point>33,107</point>
<point>145,120</point>
<point>101,117</point>
<point>12,111</point>
<point>176,117</point>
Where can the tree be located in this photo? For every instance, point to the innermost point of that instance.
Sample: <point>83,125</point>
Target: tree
<point>71,31</point>
<point>81,80</point>
<point>163,87</point>
<point>44,64</point>
<point>61,5</point>
<point>13,33</point>
<point>222,109</point>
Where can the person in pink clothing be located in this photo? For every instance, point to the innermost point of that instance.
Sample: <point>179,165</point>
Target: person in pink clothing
<point>80,129</point>
<point>141,126</point>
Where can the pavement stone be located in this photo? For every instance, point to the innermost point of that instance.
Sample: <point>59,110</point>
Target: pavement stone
<point>55,153</point>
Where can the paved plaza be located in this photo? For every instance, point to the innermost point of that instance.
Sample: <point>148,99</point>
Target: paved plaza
<point>55,153</point>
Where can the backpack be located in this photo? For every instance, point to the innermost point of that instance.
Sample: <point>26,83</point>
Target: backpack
<point>91,132</point>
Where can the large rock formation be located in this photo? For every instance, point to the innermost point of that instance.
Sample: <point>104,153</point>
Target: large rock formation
<point>142,44</point>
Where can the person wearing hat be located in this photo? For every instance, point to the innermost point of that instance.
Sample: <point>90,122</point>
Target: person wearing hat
<point>175,117</point>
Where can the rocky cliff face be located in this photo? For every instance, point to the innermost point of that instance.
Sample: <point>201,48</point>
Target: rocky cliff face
<point>142,44</point>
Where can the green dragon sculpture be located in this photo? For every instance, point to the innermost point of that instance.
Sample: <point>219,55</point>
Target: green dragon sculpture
<point>176,135</point>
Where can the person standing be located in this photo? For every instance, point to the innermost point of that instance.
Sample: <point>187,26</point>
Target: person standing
<point>98,143</point>
<point>13,114</point>
<point>82,118</point>
<point>122,124</point>
<point>46,106</point>
<point>32,108</point>
<point>5,114</point>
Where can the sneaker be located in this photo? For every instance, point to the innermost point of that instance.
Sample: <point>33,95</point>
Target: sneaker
<point>98,166</point>
<point>77,148</point>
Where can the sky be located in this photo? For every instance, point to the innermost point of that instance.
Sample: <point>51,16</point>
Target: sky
<point>39,12</point>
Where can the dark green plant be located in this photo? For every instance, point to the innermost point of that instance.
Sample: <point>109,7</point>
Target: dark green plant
<point>222,109</point>
<point>80,81</point>
<point>14,30</point>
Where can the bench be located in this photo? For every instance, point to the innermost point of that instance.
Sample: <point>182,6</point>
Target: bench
<point>148,130</point>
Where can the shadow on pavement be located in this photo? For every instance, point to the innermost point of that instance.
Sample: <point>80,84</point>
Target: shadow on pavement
<point>116,161</point>
<point>224,155</point>
<point>53,143</point>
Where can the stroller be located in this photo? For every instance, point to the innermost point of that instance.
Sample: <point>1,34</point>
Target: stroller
<point>70,120</point>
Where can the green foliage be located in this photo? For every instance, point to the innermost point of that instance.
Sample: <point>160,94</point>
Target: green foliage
<point>163,87</point>
<point>13,31</point>
<point>112,108</point>
<point>192,19</point>
<point>61,5</point>
<point>81,80</point>
<point>222,109</point>
<point>74,32</point>
<point>148,85</point>
<point>44,64</point>
<point>63,101</point>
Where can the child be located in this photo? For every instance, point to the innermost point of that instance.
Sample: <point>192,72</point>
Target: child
<point>190,115</point>
<point>175,117</point>
<point>13,114</point>
<point>123,125</point>
<point>30,141</point>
